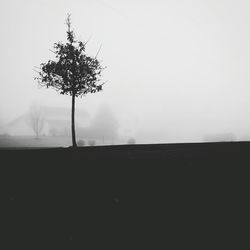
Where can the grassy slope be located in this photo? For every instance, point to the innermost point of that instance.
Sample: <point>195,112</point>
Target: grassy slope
<point>180,193</point>
<point>31,141</point>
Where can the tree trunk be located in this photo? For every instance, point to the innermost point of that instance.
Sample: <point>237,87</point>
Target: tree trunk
<point>73,122</point>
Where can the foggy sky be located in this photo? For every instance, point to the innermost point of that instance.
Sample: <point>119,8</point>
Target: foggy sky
<point>176,69</point>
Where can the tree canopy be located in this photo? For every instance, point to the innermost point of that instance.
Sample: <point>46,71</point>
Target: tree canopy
<point>73,72</point>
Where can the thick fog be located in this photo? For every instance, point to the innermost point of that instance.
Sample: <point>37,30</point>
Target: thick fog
<point>177,70</point>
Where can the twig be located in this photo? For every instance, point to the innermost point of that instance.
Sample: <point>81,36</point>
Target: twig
<point>53,51</point>
<point>36,71</point>
<point>104,83</point>
<point>98,51</point>
<point>87,40</point>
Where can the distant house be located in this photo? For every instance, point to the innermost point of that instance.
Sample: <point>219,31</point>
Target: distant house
<point>19,126</point>
<point>57,122</point>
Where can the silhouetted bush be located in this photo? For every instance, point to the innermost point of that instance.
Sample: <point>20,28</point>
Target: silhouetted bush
<point>131,141</point>
<point>91,142</point>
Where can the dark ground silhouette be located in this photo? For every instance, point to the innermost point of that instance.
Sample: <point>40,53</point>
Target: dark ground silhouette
<point>126,197</point>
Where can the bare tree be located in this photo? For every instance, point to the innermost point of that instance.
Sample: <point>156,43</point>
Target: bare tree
<point>36,119</point>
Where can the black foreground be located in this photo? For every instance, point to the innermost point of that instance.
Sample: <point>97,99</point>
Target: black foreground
<point>126,197</point>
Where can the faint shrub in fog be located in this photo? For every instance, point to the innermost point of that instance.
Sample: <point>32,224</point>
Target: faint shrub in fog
<point>131,141</point>
<point>81,143</point>
<point>104,124</point>
<point>103,127</point>
<point>220,137</point>
<point>91,142</point>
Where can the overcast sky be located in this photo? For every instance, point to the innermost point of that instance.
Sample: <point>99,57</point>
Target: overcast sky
<point>176,69</point>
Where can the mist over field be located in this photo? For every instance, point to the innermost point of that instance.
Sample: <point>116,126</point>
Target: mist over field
<point>156,153</point>
<point>177,71</point>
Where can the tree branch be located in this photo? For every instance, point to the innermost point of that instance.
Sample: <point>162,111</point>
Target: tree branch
<point>98,51</point>
<point>87,40</point>
<point>52,51</point>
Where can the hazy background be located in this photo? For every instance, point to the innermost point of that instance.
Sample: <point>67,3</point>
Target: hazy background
<point>177,70</point>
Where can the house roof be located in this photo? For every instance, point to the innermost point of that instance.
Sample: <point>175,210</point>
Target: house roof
<point>63,112</point>
<point>53,114</point>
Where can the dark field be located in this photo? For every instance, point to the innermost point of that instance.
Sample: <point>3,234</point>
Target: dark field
<point>172,196</point>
